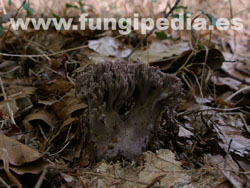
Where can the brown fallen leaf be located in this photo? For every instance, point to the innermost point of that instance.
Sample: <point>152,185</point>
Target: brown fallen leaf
<point>225,184</point>
<point>232,138</point>
<point>229,168</point>
<point>52,89</point>
<point>7,107</point>
<point>159,169</point>
<point>238,69</point>
<point>18,153</point>
<point>167,63</point>
<point>20,159</point>
<point>214,60</point>
<point>6,168</point>
<point>16,92</point>
<point>41,114</point>
<point>67,106</point>
<point>35,167</point>
<point>226,81</point>
<point>159,52</point>
<point>64,124</point>
<point>108,46</point>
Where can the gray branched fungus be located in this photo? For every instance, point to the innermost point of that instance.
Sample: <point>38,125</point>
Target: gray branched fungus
<point>125,102</point>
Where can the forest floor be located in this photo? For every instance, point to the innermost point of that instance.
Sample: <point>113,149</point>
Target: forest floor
<point>42,142</point>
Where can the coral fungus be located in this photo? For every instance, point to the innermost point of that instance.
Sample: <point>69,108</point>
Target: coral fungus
<point>125,102</point>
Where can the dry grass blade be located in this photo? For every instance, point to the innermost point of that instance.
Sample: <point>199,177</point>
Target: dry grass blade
<point>8,105</point>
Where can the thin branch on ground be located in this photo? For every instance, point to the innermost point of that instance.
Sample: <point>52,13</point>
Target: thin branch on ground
<point>237,93</point>
<point>7,103</point>
<point>152,31</point>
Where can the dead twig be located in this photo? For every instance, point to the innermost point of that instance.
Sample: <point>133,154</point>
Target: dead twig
<point>237,93</point>
<point>208,109</point>
<point>155,180</point>
<point>152,31</point>
<point>41,178</point>
<point>231,15</point>
<point>8,105</point>
<point>10,71</point>
<point>4,183</point>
